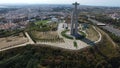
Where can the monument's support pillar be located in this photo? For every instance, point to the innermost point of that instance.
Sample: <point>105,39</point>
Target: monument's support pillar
<point>74,20</point>
<point>72,24</point>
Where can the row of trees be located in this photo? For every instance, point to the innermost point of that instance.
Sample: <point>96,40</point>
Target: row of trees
<point>45,37</point>
<point>6,33</point>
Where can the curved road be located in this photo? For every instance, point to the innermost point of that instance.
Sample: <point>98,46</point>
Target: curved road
<point>109,28</point>
<point>99,35</point>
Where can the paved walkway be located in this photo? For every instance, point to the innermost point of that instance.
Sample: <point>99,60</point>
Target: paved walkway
<point>68,43</point>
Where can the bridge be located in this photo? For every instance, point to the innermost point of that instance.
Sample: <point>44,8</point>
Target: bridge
<point>97,22</point>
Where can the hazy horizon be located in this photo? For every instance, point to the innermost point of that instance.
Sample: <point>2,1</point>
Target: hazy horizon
<point>115,3</point>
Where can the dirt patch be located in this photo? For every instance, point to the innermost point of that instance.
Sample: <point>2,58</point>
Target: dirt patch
<point>92,34</point>
<point>12,41</point>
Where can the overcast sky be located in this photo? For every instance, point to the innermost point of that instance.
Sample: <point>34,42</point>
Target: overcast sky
<point>82,2</point>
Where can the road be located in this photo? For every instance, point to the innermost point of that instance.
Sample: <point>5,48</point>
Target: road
<point>29,38</point>
<point>109,28</point>
<point>100,35</point>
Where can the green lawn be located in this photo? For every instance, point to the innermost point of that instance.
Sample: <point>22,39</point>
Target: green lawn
<point>63,33</point>
<point>41,22</point>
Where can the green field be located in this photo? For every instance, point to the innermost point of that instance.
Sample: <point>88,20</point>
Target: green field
<point>42,26</point>
<point>43,22</point>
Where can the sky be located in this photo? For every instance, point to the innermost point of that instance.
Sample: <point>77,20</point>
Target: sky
<point>82,2</point>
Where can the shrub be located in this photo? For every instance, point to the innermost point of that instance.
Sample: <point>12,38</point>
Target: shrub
<point>63,33</point>
<point>75,44</point>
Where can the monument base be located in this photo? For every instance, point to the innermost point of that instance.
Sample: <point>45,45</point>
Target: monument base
<point>77,36</point>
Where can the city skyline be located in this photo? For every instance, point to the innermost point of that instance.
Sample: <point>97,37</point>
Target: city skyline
<point>85,2</point>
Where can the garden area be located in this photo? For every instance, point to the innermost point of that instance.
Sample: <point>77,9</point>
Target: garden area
<point>49,36</point>
<point>44,31</point>
<point>42,26</point>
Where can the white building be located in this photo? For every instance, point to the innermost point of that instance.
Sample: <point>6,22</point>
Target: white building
<point>54,20</point>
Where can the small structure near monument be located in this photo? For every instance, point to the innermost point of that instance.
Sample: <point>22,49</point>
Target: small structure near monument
<point>74,21</point>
